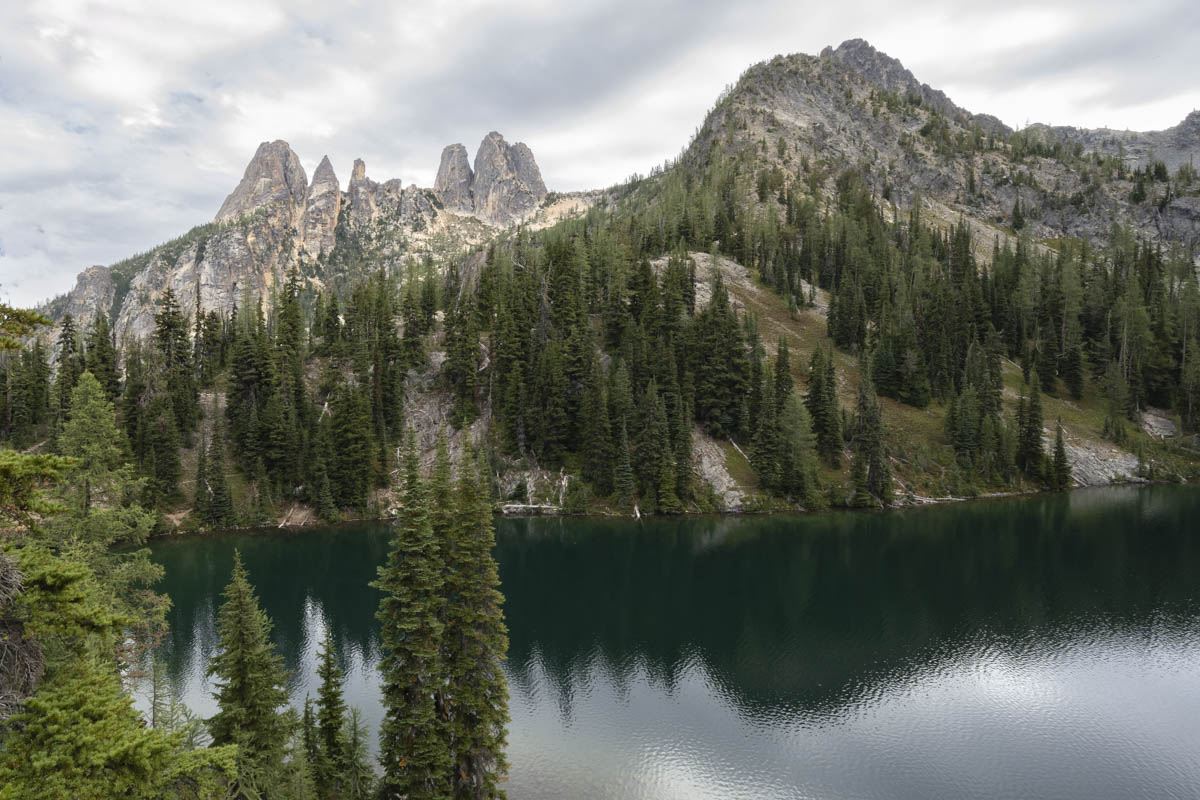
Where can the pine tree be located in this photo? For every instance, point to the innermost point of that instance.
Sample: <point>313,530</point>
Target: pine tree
<point>783,375</point>
<point>872,476</point>
<point>171,340</point>
<point>92,436</point>
<point>412,743</point>
<point>352,463</point>
<point>162,449</point>
<point>70,364</point>
<point>597,441</point>
<point>330,772</point>
<point>218,506</point>
<point>80,736</point>
<point>251,686</point>
<point>200,496</point>
<point>797,455</point>
<point>476,643</point>
<point>1061,469</point>
<point>822,404</point>
<point>310,741</point>
<point>1030,455</point>
<point>359,777</point>
<point>623,471</point>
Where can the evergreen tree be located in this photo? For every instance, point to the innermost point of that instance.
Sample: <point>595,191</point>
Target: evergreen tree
<point>476,642</point>
<point>797,454</point>
<point>872,476</point>
<point>1061,469</point>
<point>70,364</point>
<point>218,504</point>
<point>251,686</point>
<point>91,435</point>
<point>359,777</point>
<point>161,442</point>
<point>1030,455</point>
<point>783,375</point>
<point>353,457</point>
<point>201,494</point>
<point>822,405</point>
<point>80,736</point>
<point>413,749</point>
<point>171,341</point>
<point>623,471</point>
<point>597,443</point>
<point>310,741</point>
<point>331,770</point>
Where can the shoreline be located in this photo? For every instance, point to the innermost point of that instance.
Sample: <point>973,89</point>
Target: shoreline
<point>910,502</point>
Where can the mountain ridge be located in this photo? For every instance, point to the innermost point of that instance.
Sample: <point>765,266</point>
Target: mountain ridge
<point>850,104</point>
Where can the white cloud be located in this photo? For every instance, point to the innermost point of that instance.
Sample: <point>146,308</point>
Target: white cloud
<point>125,122</point>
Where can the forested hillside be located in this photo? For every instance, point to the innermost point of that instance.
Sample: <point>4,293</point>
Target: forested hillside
<point>764,322</point>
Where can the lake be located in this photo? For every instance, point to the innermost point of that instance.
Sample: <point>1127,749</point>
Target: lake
<point>1043,647</point>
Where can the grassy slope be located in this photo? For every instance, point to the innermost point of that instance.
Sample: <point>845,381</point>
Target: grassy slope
<point>922,459</point>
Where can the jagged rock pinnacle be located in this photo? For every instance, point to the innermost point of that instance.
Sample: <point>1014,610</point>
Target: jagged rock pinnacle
<point>321,209</point>
<point>274,177</point>
<point>454,177</point>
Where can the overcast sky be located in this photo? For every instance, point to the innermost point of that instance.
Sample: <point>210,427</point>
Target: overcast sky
<point>123,123</point>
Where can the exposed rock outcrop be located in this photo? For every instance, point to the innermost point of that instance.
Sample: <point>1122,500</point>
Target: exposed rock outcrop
<point>274,179</point>
<point>93,293</point>
<point>362,196</point>
<point>508,184</point>
<point>321,208</point>
<point>454,178</point>
<point>887,72</point>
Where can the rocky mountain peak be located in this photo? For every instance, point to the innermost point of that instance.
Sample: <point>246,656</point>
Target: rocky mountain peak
<point>361,194</point>
<point>1190,127</point>
<point>507,183</point>
<point>886,72</point>
<point>454,178</point>
<point>321,208</point>
<point>274,177</point>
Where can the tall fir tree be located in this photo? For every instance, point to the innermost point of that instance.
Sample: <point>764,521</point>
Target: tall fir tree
<point>1061,467</point>
<point>413,750</point>
<point>872,475</point>
<point>251,688</point>
<point>330,770</point>
<point>476,643</point>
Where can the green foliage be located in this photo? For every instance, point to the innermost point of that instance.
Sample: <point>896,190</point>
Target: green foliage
<point>17,323</point>
<point>413,748</point>
<point>251,688</point>
<point>334,762</point>
<point>1031,457</point>
<point>79,736</point>
<point>24,479</point>
<point>474,642</point>
<point>359,776</point>
<point>871,475</point>
<point>1060,470</point>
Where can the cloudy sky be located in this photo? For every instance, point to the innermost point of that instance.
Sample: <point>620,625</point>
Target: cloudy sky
<point>123,123</point>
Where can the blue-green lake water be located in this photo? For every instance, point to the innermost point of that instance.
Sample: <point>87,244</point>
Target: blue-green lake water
<point>1044,647</point>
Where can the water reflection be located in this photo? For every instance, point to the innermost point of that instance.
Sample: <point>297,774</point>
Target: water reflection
<point>1043,647</point>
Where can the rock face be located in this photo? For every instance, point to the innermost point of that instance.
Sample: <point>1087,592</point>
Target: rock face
<point>885,71</point>
<point>454,178</point>
<point>508,183</point>
<point>505,186</point>
<point>321,208</point>
<point>362,200</point>
<point>93,293</point>
<point>274,179</point>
